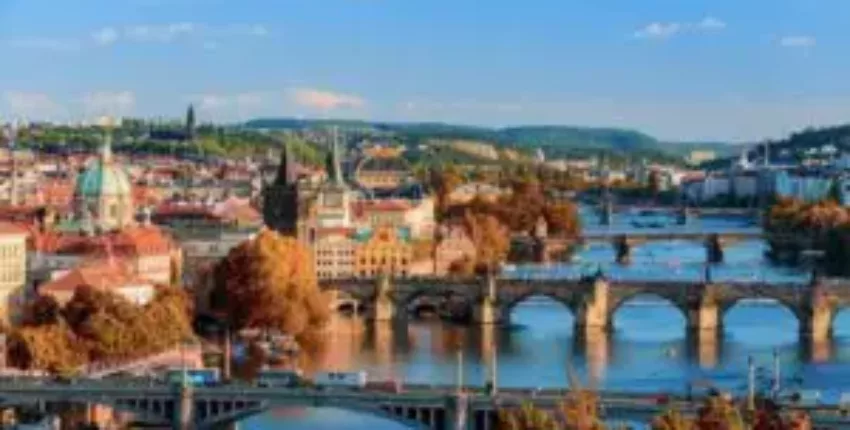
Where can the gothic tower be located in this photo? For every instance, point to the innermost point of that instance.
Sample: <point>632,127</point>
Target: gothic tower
<point>280,198</point>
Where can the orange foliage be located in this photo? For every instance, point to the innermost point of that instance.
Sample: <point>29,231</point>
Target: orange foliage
<point>269,283</point>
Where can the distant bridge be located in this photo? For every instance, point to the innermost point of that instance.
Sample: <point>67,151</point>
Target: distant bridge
<point>437,408</point>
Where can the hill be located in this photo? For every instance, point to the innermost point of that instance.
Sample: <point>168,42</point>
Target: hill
<point>809,143</point>
<point>556,141</point>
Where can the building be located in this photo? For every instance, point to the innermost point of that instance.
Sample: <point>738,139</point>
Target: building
<point>383,250</point>
<point>106,275</point>
<point>453,244</point>
<point>382,169</point>
<point>13,271</point>
<point>335,253</point>
<point>697,157</point>
<point>103,226</point>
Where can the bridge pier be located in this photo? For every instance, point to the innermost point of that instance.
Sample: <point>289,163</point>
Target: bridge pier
<point>606,213</point>
<point>383,307</point>
<point>683,217</point>
<point>714,249</point>
<point>487,310</point>
<point>623,249</point>
<point>592,316</point>
<point>184,414</point>
<point>456,416</point>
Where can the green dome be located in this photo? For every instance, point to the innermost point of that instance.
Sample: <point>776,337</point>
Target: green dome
<point>103,178</point>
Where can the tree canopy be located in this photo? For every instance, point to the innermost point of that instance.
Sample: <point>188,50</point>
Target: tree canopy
<point>98,326</point>
<point>270,283</point>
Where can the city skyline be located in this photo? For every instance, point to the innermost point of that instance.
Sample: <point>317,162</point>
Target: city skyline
<point>697,71</point>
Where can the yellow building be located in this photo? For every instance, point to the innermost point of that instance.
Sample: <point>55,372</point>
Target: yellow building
<point>334,251</point>
<point>383,250</point>
<point>13,271</point>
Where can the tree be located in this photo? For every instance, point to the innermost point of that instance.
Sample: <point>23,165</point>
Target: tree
<point>491,239</point>
<point>562,219</point>
<point>527,417</point>
<point>270,283</point>
<point>44,310</point>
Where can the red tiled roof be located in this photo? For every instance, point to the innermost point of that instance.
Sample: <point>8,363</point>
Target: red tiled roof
<point>131,241</point>
<point>99,274</point>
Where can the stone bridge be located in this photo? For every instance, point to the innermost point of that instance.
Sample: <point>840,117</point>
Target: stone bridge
<point>594,300</point>
<point>433,407</point>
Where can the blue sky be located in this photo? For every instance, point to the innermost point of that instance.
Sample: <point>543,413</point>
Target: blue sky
<point>677,69</point>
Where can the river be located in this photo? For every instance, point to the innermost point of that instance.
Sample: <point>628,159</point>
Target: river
<point>648,350</point>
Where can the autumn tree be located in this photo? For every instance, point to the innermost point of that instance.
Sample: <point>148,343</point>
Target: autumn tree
<point>44,310</point>
<point>269,283</point>
<point>562,219</point>
<point>527,417</point>
<point>51,347</point>
<point>99,326</point>
<point>491,238</point>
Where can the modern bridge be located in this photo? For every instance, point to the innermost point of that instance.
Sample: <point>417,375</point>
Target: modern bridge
<point>434,407</point>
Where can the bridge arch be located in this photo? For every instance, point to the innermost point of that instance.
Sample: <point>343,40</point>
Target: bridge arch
<point>679,308</point>
<point>344,302</point>
<point>420,419</point>
<point>448,299</point>
<point>569,303</point>
<point>770,310</point>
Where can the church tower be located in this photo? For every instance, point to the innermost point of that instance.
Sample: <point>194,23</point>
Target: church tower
<point>281,206</point>
<point>334,197</point>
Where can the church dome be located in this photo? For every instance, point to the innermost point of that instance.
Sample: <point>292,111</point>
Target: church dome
<point>103,178</point>
<point>104,194</point>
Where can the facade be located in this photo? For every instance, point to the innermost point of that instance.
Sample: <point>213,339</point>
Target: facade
<point>384,250</point>
<point>806,187</point>
<point>382,169</point>
<point>13,271</point>
<point>334,251</point>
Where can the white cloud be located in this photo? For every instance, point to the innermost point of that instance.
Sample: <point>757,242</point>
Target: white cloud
<point>665,30</point>
<point>49,44</point>
<point>105,36</point>
<point>212,102</point>
<point>159,33</point>
<point>711,23</point>
<point>325,100</point>
<point>658,30</point>
<point>109,103</point>
<point>210,46</point>
<point>797,42</point>
<point>31,104</point>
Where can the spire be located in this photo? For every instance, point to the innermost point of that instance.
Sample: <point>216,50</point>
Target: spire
<point>106,146</point>
<point>332,164</point>
<point>13,185</point>
<point>286,174</point>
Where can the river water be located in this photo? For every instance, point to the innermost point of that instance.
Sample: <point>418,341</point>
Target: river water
<point>648,350</point>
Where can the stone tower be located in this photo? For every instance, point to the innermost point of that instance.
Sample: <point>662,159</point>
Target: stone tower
<point>281,206</point>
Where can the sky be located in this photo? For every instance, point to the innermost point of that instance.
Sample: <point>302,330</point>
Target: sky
<point>697,70</point>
